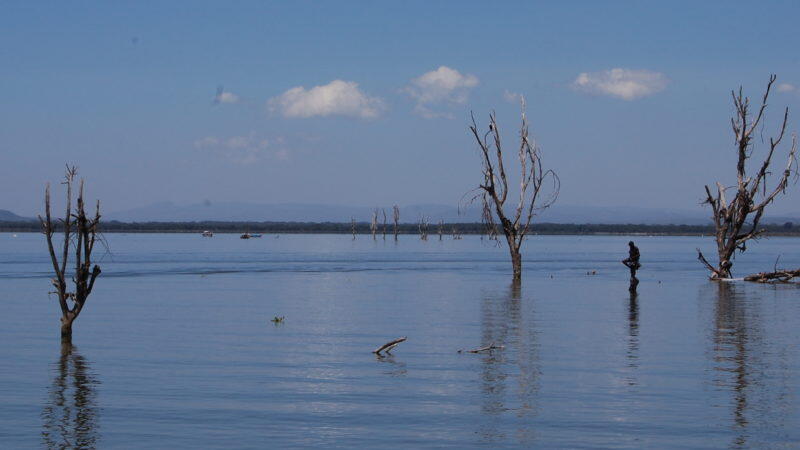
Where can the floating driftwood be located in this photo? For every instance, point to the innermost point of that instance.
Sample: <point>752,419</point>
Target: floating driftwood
<point>387,347</point>
<point>778,276</point>
<point>483,349</point>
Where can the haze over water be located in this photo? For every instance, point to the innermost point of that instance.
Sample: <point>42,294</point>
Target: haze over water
<point>175,347</point>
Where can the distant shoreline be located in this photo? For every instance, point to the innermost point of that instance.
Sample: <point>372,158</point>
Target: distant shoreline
<point>363,228</point>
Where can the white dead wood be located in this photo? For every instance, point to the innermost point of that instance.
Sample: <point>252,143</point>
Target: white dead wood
<point>387,347</point>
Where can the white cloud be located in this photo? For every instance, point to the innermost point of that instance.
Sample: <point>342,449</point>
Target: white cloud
<point>228,97</point>
<point>224,96</point>
<point>512,97</point>
<point>244,149</point>
<point>335,98</point>
<point>626,84</point>
<point>443,85</point>
<point>786,87</point>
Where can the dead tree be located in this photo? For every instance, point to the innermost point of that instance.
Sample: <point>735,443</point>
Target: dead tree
<point>80,235</point>
<point>423,228</point>
<point>387,347</point>
<point>440,229</point>
<point>632,263</point>
<point>383,230</point>
<point>396,218</point>
<point>534,194</point>
<point>737,221</point>
<point>373,226</point>
<point>353,227</point>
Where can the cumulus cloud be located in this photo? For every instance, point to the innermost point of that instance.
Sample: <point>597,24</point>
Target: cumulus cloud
<point>443,85</point>
<point>244,149</point>
<point>224,96</point>
<point>626,84</point>
<point>338,97</point>
<point>786,87</point>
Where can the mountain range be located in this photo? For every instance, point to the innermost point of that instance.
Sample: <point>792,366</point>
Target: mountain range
<point>8,216</point>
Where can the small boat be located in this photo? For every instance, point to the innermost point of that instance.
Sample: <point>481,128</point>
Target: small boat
<point>208,233</point>
<point>250,236</point>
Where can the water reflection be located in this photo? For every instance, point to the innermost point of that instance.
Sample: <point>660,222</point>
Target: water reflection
<point>393,367</point>
<point>633,336</point>
<point>503,324</point>
<point>748,366</point>
<point>732,339</point>
<point>70,414</point>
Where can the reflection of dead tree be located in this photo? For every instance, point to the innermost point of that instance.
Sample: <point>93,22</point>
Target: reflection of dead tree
<point>494,188</point>
<point>81,232</point>
<point>71,413</point>
<point>396,218</point>
<point>423,228</point>
<point>486,348</point>
<point>737,221</point>
<point>373,226</point>
<point>387,347</point>
<point>353,227</point>
<point>383,211</point>
<point>456,234</point>
<point>632,263</point>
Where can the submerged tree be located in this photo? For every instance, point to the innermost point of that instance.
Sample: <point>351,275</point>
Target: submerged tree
<point>383,230</point>
<point>80,235</point>
<point>373,226</point>
<point>737,221</point>
<point>423,228</point>
<point>538,187</point>
<point>396,219</point>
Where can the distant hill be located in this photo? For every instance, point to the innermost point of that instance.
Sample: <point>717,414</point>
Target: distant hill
<point>296,212</point>
<point>8,216</point>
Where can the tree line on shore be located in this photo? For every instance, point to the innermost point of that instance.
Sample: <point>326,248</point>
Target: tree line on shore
<point>470,228</point>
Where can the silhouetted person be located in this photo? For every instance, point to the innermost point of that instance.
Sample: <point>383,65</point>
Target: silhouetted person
<point>632,262</point>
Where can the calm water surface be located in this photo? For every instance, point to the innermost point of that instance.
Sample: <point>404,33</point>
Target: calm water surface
<point>175,348</point>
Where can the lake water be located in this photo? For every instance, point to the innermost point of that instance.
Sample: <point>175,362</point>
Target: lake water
<point>175,347</point>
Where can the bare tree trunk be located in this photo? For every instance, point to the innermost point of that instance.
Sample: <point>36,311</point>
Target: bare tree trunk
<point>396,217</point>
<point>737,221</point>
<point>494,190</point>
<point>383,211</point>
<point>66,329</point>
<point>440,229</point>
<point>353,227</point>
<point>516,262</point>
<point>373,226</point>
<point>80,232</point>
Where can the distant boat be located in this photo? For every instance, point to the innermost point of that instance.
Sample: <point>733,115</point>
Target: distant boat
<point>250,235</point>
<point>208,234</point>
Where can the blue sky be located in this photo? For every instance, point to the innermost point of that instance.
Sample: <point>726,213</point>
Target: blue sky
<point>127,92</point>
